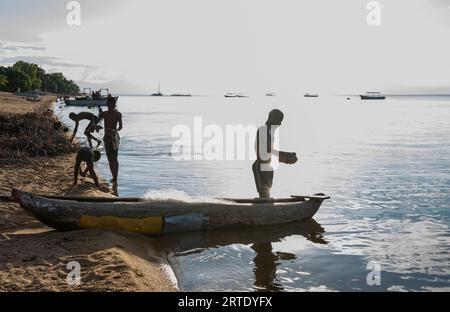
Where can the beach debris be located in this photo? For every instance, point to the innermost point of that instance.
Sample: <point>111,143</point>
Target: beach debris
<point>32,135</point>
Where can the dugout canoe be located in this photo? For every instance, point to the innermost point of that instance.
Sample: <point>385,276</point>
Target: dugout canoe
<point>164,216</point>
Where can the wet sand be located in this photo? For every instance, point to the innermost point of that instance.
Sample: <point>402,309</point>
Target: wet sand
<point>34,257</point>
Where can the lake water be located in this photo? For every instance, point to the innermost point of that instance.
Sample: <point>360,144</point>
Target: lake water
<point>385,164</point>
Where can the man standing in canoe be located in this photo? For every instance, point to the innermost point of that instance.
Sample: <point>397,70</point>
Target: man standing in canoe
<point>262,167</point>
<point>111,140</point>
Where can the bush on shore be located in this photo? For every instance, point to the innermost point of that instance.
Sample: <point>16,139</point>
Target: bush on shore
<point>33,135</point>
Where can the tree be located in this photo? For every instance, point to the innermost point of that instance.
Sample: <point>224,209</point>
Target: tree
<point>27,76</point>
<point>32,71</point>
<point>3,82</point>
<point>17,80</point>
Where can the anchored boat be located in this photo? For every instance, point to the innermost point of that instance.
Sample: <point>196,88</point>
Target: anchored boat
<point>90,99</point>
<point>373,96</point>
<point>235,95</point>
<point>165,216</point>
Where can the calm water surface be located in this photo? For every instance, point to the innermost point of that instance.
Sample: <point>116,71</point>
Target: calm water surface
<point>385,164</point>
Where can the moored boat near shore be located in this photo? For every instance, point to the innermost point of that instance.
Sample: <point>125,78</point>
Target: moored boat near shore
<point>90,99</point>
<point>165,216</point>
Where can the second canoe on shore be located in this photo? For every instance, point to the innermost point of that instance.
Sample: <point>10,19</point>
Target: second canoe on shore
<point>165,216</point>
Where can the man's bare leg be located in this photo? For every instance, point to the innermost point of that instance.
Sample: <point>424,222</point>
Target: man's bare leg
<point>114,167</point>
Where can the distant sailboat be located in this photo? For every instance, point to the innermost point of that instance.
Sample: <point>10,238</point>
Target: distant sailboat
<point>159,91</point>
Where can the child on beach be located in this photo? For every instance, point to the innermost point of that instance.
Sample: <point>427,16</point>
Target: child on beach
<point>89,156</point>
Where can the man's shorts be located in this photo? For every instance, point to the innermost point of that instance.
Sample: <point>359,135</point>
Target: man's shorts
<point>109,147</point>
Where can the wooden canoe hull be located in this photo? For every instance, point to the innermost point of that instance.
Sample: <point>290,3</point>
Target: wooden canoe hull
<point>156,217</point>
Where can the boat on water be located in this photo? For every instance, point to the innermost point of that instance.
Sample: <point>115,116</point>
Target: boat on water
<point>271,94</point>
<point>373,96</point>
<point>159,91</point>
<point>90,99</point>
<point>181,95</point>
<point>235,95</point>
<point>165,216</point>
<point>311,95</point>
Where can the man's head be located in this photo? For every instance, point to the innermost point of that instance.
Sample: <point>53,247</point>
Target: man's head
<point>73,116</point>
<point>111,103</point>
<point>275,118</point>
<point>97,155</point>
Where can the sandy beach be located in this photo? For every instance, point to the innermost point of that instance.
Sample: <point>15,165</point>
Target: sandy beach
<point>34,257</point>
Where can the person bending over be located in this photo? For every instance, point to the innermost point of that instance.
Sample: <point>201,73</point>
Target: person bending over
<point>88,156</point>
<point>93,121</point>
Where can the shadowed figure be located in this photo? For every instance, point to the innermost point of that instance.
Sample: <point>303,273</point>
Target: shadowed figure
<point>88,156</point>
<point>93,121</point>
<point>262,167</point>
<point>111,140</point>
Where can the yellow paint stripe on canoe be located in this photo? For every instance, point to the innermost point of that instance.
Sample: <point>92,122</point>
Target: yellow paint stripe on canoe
<point>149,225</point>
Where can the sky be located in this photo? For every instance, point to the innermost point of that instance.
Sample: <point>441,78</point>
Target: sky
<point>215,46</point>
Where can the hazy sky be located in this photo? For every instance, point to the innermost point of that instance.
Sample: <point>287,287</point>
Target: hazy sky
<point>213,46</point>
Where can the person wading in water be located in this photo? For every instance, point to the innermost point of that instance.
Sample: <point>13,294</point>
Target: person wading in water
<point>262,167</point>
<point>111,140</point>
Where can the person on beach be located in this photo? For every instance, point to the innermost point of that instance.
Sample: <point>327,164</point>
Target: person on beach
<point>93,125</point>
<point>262,167</point>
<point>111,140</point>
<point>88,156</point>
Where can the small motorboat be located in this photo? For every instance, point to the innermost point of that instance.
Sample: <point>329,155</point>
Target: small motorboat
<point>236,95</point>
<point>181,95</point>
<point>311,95</point>
<point>90,99</point>
<point>164,216</point>
<point>373,96</point>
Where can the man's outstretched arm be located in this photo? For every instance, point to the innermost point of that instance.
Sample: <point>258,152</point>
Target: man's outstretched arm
<point>74,131</point>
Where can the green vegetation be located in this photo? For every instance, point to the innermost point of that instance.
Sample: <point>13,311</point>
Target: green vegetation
<point>28,77</point>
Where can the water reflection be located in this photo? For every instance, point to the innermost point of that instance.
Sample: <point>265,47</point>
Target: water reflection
<point>260,239</point>
<point>266,268</point>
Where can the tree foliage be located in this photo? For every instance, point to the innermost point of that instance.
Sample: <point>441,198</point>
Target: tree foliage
<point>27,77</point>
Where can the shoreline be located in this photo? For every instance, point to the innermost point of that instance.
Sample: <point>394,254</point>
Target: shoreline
<point>34,257</point>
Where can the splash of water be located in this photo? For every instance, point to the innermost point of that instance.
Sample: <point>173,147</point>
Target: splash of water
<point>178,195</point>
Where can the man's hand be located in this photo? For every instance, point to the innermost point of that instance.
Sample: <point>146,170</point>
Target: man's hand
<point>288,158</point>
